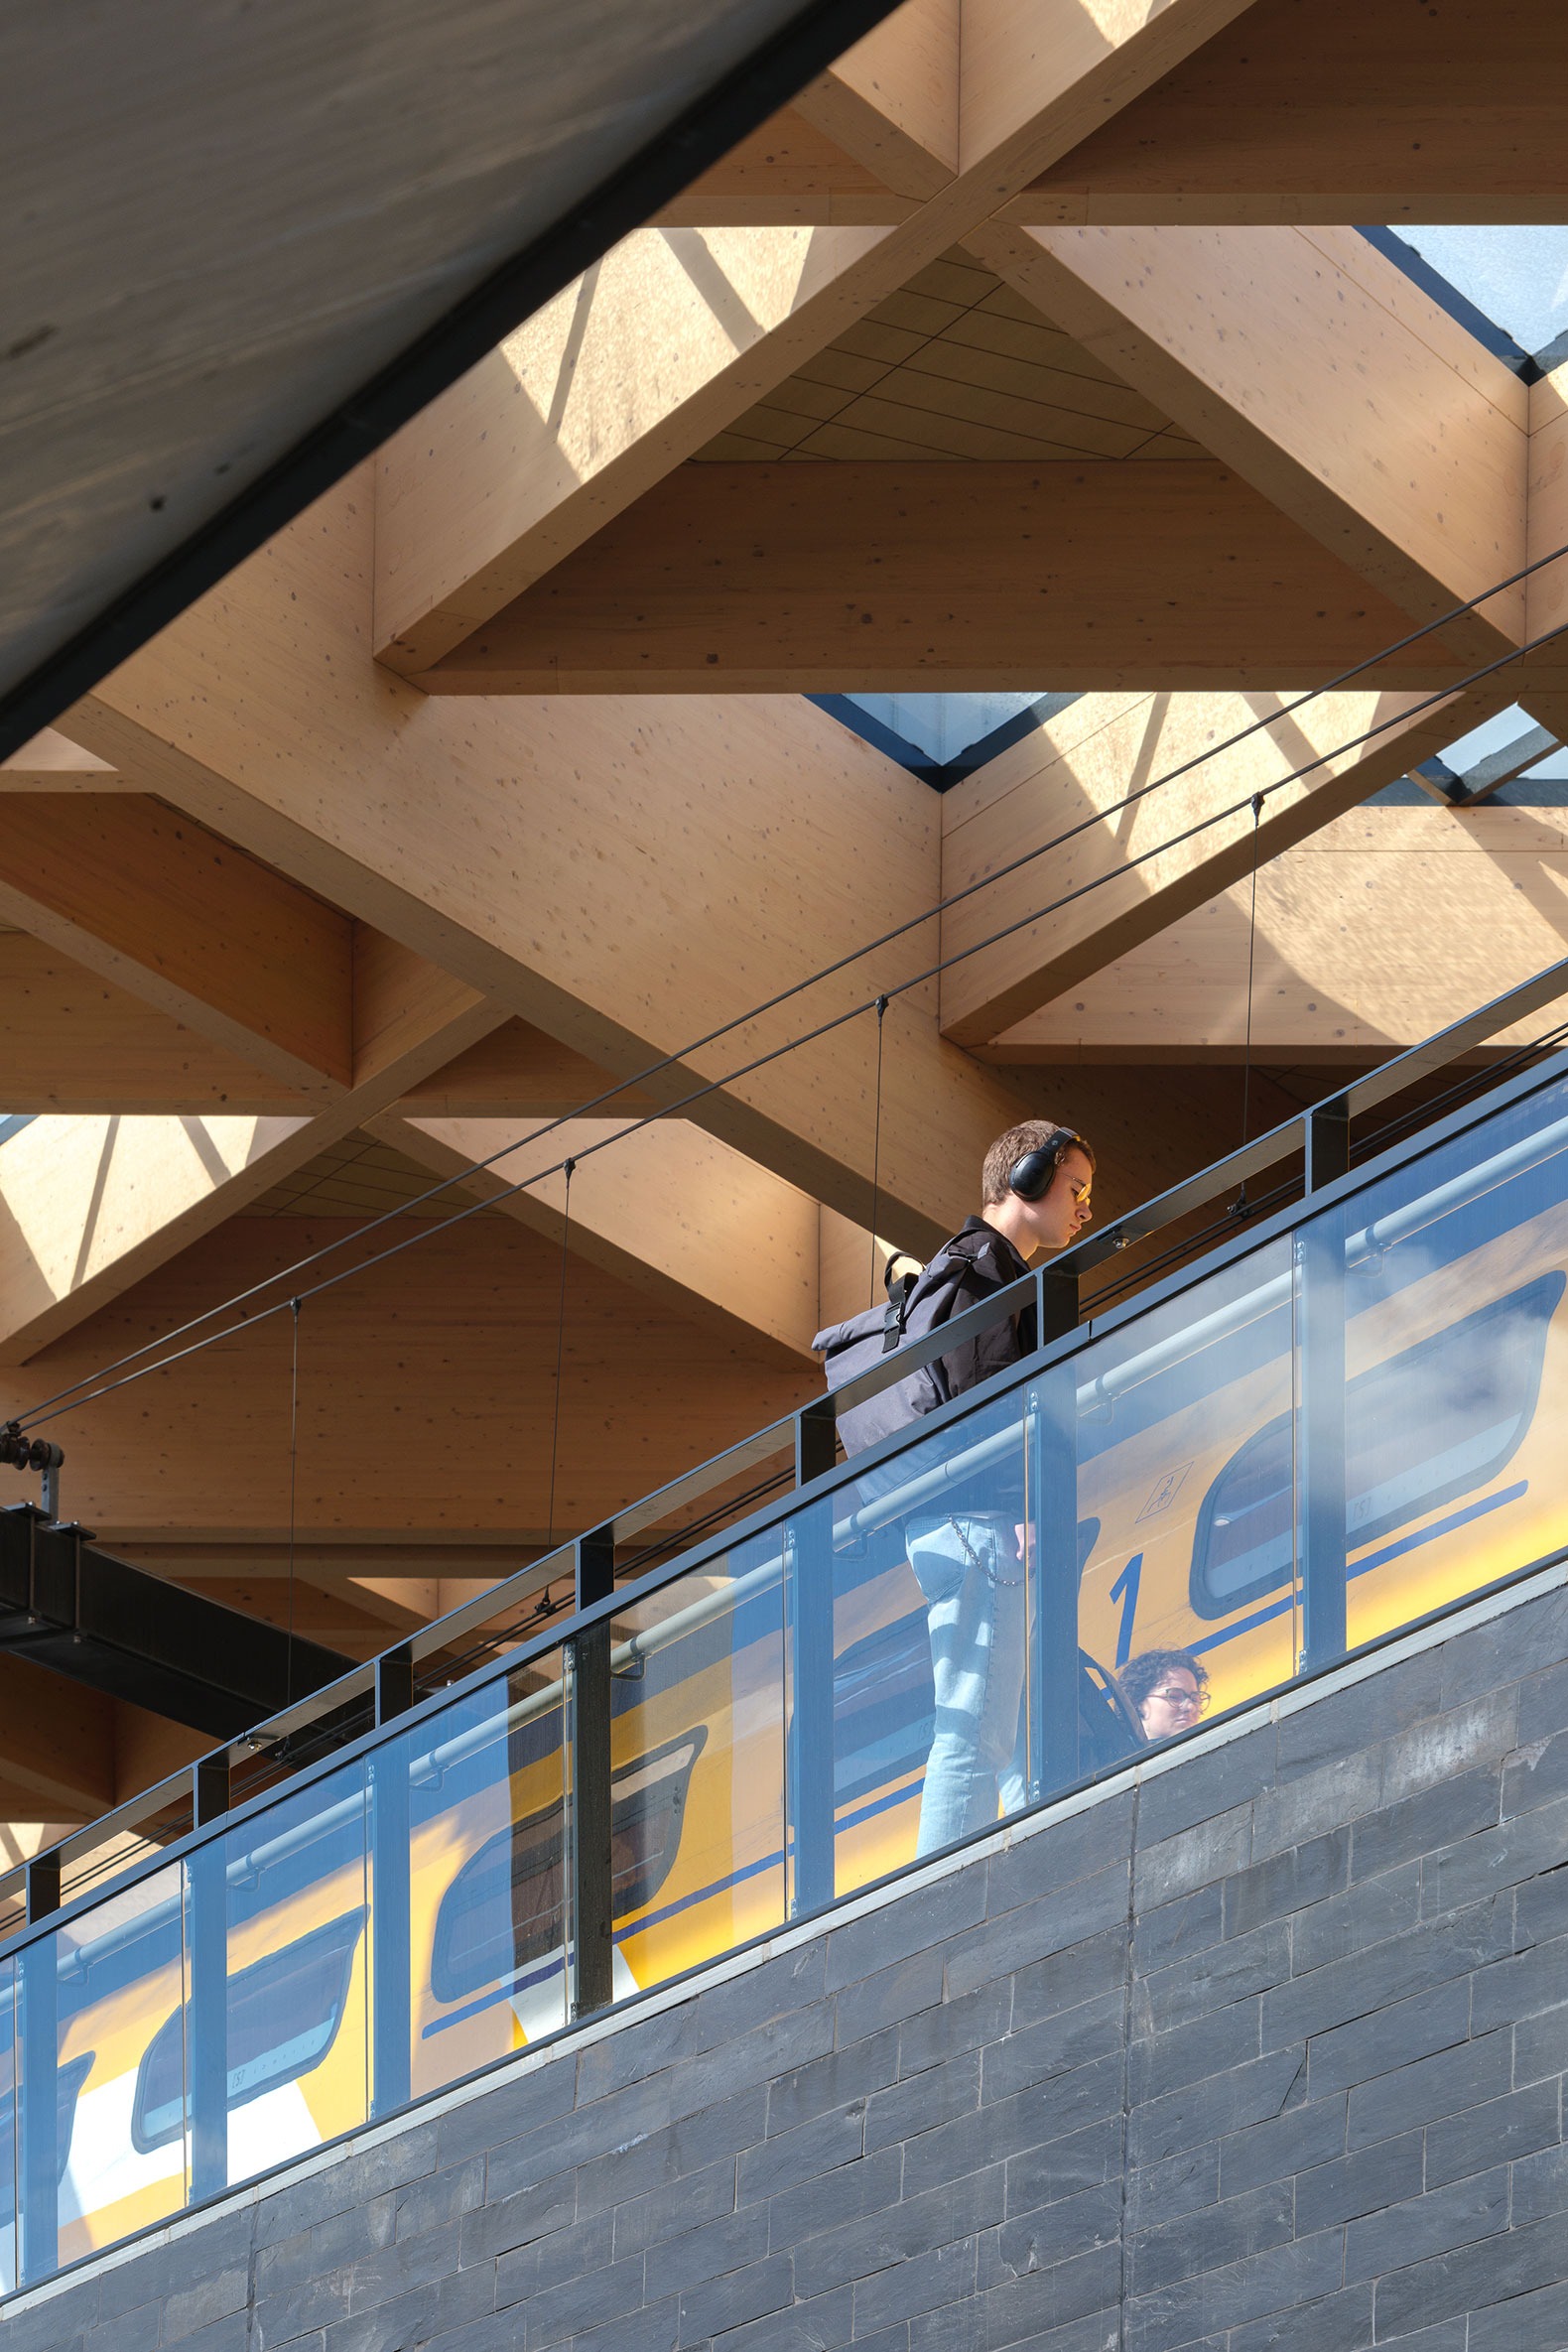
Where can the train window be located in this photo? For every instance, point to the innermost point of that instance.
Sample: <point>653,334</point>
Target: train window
<point>884,1701</point>
<point>283,2013</point>
<point>1429,1424</point>
<point>505,1906</point>
<point>68,2080</point>
<point>882,1707</point>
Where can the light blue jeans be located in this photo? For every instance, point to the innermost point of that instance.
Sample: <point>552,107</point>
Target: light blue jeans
<point>968,1567</point>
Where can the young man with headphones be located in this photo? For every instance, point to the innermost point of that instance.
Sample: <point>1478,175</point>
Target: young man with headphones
<point>970,1557</point>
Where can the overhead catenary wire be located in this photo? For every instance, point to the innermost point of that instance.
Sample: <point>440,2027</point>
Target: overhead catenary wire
<point>68,1398</point>
<point>857,955</point>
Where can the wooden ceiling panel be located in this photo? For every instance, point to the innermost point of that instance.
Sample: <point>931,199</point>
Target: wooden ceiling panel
<point>954,365</point>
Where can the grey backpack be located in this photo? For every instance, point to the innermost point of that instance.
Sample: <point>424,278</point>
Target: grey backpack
<point>916,1304</point>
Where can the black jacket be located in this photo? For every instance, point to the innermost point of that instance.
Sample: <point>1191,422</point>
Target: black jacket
<point>992,1263</point>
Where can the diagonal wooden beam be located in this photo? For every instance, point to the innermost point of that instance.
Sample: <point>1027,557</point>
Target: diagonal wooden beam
<point>49,763</point>
<point>72,1041</point>
<point>659,347</point>
<point>675,334</point>
<point>670,1210</point>
<point>518,1072</point>
<point>624,877</point>
<point>1087,760</point>
<point>1305,360</point>
<point>88,1207</point>
<point>606,875</point>
<point>892,100</point>
<point>168,911</point>
<point>786,173</point>
<point>1343,967</point>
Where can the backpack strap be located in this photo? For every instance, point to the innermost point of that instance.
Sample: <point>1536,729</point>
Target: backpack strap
<point>900,1294</point>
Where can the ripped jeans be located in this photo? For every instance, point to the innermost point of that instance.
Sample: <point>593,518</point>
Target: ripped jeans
<point>968,1566</point>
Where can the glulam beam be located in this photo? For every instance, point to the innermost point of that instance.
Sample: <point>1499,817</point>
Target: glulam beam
<point>1067,783</point>
<point>92,1205</point>
<point>51,763</point>
<point>1307,362</point>
<point>426,1401</point>
<point>677,332</point>
<point>170,912</point>
<point>1342,965</point>
<point>1270,121</point>
<point>668,1209</point>
<point>612,873</point>
<point>73,1041</point>
<point>657,347</point>
<point>838,576</point>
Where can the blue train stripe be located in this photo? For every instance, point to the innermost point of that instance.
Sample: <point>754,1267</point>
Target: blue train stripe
<point>1378,1559</point>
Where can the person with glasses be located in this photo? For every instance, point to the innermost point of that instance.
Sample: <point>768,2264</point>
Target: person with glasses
<point>1167,1690</point>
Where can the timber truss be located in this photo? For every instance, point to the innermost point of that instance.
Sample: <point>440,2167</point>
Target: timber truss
<point>1033,349</point>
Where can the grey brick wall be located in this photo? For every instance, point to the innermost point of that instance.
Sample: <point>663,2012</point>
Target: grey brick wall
<point>1263,2055</point>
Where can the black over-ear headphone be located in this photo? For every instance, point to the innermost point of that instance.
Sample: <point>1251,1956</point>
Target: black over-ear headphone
<point>1031,1177</point>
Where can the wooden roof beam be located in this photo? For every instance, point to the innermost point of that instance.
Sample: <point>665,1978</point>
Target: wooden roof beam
<point>1088,759</point>
<point>669,1210</point>
<point>49,763</point>
<point>856,575</point>
<point>72,1041</point>
<point>595,869</point>
<point>1343,970</point>
<point>1262,123</point>
<point>1307,362</point>
<point>675,334</point>
<point>90,1206</point>
<point>176,916</point>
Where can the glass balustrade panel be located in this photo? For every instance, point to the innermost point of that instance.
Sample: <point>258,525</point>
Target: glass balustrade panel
<point>483,1785</point>
<point>119,1998</point>
<point>1185,1433</point>
<point>696,1765</point>
<point>926,1563</point>
<point>282,2065</point>
<point>1456,1366</point>
<point>7,2126</point>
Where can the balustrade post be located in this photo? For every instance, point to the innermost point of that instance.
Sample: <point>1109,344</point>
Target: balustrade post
<point>1052,1436</point>
<point>206,2017</point>
<point>588,1800</point>
<point>39,2153</point>
<point>390,1988</point>
<point>1320,1435</point>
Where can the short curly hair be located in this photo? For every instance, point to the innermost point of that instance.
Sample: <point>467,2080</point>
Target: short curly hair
<point>1143,1674</point>
<point>1032,1135</point>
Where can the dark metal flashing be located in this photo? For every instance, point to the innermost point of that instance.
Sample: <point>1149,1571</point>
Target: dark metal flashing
<point>941,775</point>
<point>820,32</point>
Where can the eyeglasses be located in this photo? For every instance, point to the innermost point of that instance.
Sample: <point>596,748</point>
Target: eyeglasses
<point>1183,1702</point>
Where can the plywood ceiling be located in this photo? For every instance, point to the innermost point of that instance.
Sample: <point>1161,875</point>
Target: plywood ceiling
<point>955,365</point>
<point>360,1178</point>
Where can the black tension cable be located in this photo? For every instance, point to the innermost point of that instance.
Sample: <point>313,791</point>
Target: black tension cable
<point>762,1061</point>
<point>855,955</point>
<point>67,1399</point>
<point>827,972</point>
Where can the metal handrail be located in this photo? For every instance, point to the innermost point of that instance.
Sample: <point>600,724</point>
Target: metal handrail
<point>1053,1289</point>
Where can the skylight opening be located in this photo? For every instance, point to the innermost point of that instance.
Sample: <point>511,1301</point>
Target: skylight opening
<point>943,738</point>
<point>1507,285</point>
